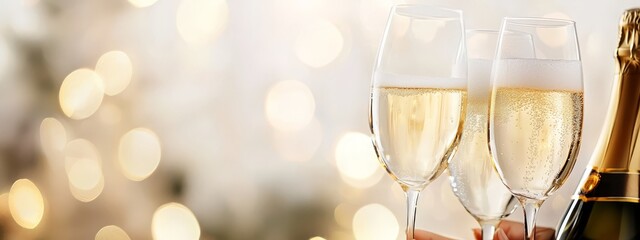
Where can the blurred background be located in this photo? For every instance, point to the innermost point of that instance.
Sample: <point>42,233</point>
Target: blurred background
<point>226,119</point>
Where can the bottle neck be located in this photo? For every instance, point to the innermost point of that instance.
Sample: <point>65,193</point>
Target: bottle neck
<point>616,160</point>
<point>619,149</point>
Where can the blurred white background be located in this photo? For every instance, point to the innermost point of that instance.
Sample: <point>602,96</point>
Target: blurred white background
<point>226,119</point>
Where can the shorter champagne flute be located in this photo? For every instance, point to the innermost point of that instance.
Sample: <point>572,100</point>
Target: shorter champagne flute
<point>472,175</point>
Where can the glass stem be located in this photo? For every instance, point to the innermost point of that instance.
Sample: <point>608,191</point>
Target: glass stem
<point>530,208</point>
<point>412,204</point>
<point>488,229</point>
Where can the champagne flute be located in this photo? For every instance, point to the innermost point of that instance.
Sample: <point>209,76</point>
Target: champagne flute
<point>472,176</point>
<point>536,114</point>
<point>418,96</point>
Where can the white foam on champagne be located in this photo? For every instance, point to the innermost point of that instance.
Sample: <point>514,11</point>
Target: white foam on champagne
<point>479,79</point>
<point>538,73</point>
<point>384,79</point>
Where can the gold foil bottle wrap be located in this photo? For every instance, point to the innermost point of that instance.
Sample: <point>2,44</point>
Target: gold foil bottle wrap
<point>616,160</point>
<point>629,38</point>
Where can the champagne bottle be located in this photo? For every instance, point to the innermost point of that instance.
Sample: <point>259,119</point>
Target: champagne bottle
<point>607,203</point>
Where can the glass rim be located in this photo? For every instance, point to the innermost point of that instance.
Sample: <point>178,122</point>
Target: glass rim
<point>538,22</point>
<point>432,11</point>
<point>481,30</point>
<point>497,33</point>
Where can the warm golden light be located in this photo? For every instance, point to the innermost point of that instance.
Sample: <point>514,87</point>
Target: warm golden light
<point>200,21</point>
<point>53,137</point>
<point>139,153</point>
<point>89,195</point>
<point>85,174</point>
<point>115,70</point>
<point>84,170</point>
<point>289,105</point>
<point>373,222</point>
<point>112,232</point>
<point>79,149</point>
<point>81,93</point>
<point>174,221</point>
<point>355,157</point>
<point>319,44</point>
<point>317,238</point>
<point>26,203</point>
<point>142,3</point>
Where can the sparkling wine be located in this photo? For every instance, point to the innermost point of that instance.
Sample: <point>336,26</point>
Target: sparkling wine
<point>537,134</point>
<point>416,128</point>
<point>473,178</point>
<point>607,202</point>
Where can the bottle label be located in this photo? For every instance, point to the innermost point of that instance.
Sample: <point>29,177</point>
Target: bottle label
<point>611,186</point>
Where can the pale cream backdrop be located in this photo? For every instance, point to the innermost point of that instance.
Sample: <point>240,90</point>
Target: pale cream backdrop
<point>226,119</point>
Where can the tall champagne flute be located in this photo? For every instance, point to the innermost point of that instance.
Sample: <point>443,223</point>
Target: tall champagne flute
<point>418,96</point>
<point>472,176</point>
<point>536,114</point>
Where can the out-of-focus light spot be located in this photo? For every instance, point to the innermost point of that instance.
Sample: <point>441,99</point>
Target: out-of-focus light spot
<point>300,145</point>
<point>115,70</point>
<point>112,232</point>
<point>319,43</point>
<point>84,170</point>
<point>26,203</point>
<point>200,21</point>
<point>25,20</point>
<point>85,173</point>
<point>110,114</point>
<point>373,222</point>
<point>139,153</point>
<point>53,137</point>
<point>90,194</point>
<point>365,183</point>
<point>79,149</point>
<point>356,159</point>
<point>426,30</point>
<point>289,106</point>
<point>317,238</point>
<point>81,93</point>
<point>343,214</point>
<point>142,3</point>
<point>174,221</point>
<point>554,37</point>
